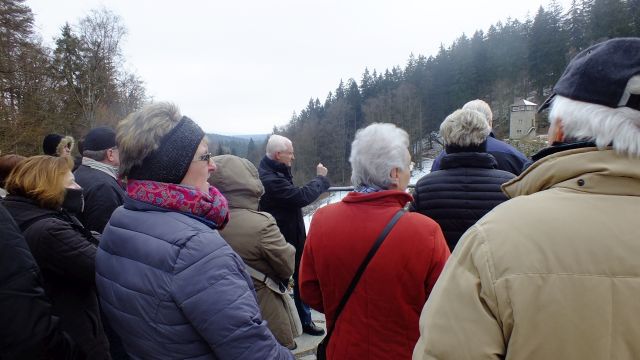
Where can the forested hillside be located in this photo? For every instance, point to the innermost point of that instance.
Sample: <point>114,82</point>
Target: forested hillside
<point>512,59</point>
<point>68,89</point>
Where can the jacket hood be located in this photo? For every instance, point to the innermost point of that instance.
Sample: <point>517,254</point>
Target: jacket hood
<point>237,179</point>
<point>23,209</point>
<point>584,169</point>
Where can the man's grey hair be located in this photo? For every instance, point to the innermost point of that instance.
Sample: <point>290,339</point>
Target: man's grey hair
<point>97,155</point>
<point>603,125</point>
<point>464,128</point>
<point>481,107</point>
<point>375,151</point>
<point>275,144</point>
<point>139,134</point>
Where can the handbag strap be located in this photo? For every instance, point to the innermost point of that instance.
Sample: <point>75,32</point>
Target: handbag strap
<point>361,269</point>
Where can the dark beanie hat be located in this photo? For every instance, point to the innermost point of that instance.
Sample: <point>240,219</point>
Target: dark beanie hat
<point>170,162</point>
<point>50,144</point>
<point>100,138</point>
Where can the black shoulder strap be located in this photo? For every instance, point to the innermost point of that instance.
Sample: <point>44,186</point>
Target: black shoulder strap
<point>361,270</point>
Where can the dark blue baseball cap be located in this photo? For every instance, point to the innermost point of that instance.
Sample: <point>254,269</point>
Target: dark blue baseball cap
<point>600,74</point>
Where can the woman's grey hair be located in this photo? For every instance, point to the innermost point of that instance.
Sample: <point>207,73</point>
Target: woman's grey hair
<point>605,126</point>
<point>277,143</point>
<point>464,128</point>
<point>139,134</point>
<point>375,151</point>
<point>481,107</point>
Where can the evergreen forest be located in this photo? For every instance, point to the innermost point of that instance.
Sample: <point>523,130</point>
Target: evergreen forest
<point>81,82</point>
<point>513,59</point>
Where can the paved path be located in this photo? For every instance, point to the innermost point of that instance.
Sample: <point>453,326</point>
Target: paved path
<point>306,343</point>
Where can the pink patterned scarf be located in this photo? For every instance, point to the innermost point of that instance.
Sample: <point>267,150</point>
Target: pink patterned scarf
<point>212,206</point>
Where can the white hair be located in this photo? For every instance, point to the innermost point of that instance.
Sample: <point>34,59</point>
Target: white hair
<point>464,128</point>
<point>275,144</point>
<point>482,107</point>
<point>605,126</point>
<point>375,151</point>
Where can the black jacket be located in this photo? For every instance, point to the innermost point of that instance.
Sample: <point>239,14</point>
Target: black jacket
<point>102,195</point>
<point>28,330</point>
<point>65,253</point>
<point>465,188</point>
<point>284,200</point>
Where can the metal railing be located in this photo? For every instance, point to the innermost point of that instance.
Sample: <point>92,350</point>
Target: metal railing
<point>350,188</point>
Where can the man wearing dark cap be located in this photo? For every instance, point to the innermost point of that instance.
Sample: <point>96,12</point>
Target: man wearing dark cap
<point>553,273</point>
<point>98,177</point>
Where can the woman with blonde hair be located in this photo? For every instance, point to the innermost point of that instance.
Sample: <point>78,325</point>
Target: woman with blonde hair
<point>43,196</point>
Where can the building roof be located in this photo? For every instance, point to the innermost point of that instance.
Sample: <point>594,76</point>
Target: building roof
<point>523,102</point>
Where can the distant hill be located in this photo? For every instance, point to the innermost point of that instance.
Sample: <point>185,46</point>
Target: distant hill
<point>238,145</point>
<point>258,138</point>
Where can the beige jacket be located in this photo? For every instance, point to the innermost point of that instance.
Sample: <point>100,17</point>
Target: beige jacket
<point>552,274</point>
<point>255,236</point>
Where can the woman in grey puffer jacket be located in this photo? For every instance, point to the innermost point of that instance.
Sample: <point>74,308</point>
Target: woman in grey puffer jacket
<point>170,286</point>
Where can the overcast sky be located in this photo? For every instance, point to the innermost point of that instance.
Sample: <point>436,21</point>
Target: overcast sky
<point>243,66</point>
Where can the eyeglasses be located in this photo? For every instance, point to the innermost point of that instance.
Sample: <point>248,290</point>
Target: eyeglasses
<point>206,157</point>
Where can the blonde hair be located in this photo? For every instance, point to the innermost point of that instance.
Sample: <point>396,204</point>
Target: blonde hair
<point>464,128</point>
<point>65,142</point>
<point>40,178</point>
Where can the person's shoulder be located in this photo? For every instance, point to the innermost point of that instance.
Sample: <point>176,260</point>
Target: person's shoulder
<point>261,216</point>
<point>502,174</point>
<point>419,220</point>
<point>495,145</point>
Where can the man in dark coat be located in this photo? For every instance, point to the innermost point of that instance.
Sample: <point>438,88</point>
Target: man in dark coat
<point>507,157</point>
<point>468,185</point>
<point>29,330</point>
<point>284,201</point>
<point>97,175</point>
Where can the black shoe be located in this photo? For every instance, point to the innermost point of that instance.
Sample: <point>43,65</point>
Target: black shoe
<point>313,329</point>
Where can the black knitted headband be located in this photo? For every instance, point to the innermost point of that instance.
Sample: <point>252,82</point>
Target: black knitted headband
<point>170,162</point>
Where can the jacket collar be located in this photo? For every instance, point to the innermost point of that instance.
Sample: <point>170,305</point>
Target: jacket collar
<point>468,160</point>
<point>584,169</point>
<point>275,166</point>
<point>557,147</point>
<point>24,209</point>
<point>384,197</point>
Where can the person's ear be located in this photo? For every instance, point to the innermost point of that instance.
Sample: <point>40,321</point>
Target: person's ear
<point>110,154</point>
<point>557,132</point>
<point>395,176</point>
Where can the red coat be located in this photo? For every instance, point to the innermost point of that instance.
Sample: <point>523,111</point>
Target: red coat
<point>380,321</point>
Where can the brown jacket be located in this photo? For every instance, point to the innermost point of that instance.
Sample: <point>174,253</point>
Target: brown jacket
<point>550,274</point>
<point>255,236</point>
